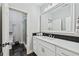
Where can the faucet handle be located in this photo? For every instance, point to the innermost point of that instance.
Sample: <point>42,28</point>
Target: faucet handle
<point>54,36</point>
<point>50,35</point>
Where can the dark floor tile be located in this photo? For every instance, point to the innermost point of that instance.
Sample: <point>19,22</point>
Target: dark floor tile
<point>32,54</point>
<point>20,50</point>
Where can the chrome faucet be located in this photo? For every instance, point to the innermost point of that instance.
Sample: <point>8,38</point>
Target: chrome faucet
<point>50,35</point>
<point>54,36</point>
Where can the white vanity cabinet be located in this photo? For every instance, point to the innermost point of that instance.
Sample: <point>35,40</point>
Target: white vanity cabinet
<point>46,49</point>
<point>42,47</point>
<point>64,52</point>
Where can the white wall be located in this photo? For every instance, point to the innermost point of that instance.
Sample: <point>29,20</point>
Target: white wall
<point>0,25</point>
<point>33,20</point>
<point>5,28</point>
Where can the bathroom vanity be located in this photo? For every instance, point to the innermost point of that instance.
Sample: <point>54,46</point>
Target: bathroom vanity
<point>47,46</point>
<point>63,20</point>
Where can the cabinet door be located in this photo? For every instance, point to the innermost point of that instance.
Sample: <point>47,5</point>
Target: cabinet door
<point>45,48</point>
<point>45,51</point>
<point>47,44</point>
<point>64,52</point>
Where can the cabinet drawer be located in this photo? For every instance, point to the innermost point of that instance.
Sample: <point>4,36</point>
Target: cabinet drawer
<point>45,51</point>
<point>48,45</point>
<point>64,52</point>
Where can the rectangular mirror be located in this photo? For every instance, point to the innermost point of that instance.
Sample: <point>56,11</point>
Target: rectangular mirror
<point>57,19</point>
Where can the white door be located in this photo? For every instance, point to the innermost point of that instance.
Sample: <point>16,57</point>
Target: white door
<point>5,29</point>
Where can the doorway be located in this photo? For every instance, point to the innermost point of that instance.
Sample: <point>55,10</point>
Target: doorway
<point>17,29</point>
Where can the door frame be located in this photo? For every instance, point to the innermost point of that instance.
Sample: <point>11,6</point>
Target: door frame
<point>5,26</point>
<point>5,29</point>
<point>23,11</point>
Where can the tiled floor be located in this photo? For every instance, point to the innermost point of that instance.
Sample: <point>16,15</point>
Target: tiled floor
<point>20,50</point>
<point>32,54</point>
